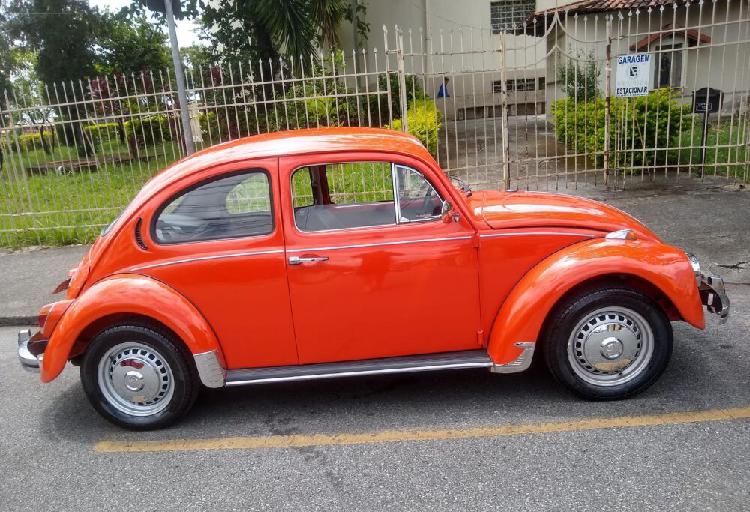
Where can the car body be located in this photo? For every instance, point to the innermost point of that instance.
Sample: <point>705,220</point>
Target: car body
<point>348,251</point>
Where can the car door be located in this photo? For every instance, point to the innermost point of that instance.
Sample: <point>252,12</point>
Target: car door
<point>365,283</point>
<point>218,241</point>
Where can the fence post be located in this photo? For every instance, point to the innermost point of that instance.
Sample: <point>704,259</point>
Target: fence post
<point>386,54</point>
<point>607,99</point>
<point>505,143</point>
<point>401,79</point>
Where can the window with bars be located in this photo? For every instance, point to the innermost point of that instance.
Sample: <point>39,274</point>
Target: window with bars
<point>518,84</point>
<point>505,15</point>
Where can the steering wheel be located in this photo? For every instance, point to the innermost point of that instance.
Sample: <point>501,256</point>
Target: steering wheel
<point>173,227</point>
<point>427,201</point>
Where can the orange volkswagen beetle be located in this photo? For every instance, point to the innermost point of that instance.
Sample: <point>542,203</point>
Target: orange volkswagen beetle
<point>328,253</point>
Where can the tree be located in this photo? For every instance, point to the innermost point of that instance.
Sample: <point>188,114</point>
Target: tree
<point>267,29</point>
<point>130,43</point>
<point>196,56</point>
<point>62,33</point>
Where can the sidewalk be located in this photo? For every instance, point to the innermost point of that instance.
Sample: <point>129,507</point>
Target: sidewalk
<point>27,278</point>
<point>713,223</point>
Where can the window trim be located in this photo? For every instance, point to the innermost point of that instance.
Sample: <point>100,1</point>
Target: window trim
<point>398,200</point>
<point>155,217</point>
<point>394,183</point>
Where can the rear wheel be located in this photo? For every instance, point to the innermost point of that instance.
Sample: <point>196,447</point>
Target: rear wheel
<point>608,344</point>
<point>138,378</point>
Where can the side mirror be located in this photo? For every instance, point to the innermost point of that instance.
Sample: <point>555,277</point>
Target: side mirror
<point>446,213</point>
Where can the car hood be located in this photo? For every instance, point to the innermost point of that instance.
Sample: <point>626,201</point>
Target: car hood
<point>508,210</point>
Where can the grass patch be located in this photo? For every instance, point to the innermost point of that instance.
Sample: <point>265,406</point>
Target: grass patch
<point>66,207</point>
<point>726,154</point>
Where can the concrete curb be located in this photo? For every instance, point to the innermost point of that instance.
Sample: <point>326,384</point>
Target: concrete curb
<point>18,321</point>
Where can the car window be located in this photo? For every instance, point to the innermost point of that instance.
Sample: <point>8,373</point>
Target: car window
<point>417,198</point>
<point>360,194</point>
<point>233,206</point>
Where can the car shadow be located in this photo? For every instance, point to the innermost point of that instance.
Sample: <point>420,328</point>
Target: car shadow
<point>444,399</point>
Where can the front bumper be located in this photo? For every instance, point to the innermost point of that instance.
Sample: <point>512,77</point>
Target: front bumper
<point>31,349</point>
<point>713,295</point>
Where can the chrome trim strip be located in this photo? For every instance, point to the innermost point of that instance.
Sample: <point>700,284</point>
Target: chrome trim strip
<point>396,198</point>
<point>521,363</point>
<point>353,373</point>
<point>209,368</point>
<point>535,233</point>
<point>621,234</point>
<point>377,244</point>
<point>206,258</point>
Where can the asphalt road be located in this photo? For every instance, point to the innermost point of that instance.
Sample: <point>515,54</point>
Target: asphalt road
<point>444,442</point>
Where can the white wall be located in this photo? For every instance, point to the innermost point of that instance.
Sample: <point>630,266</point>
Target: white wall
<point>461,45</point>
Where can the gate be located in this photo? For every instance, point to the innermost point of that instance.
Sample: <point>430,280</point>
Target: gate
<point>533,106</point>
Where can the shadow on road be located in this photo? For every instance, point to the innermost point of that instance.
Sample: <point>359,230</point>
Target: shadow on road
<point>695,379</point>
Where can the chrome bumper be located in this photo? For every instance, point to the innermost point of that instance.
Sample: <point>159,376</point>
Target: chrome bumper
<point>28,360</point>
<point>713,295</point>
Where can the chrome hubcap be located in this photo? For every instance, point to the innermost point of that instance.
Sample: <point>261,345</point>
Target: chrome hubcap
<point>610,346</point>
<point>136,379</point>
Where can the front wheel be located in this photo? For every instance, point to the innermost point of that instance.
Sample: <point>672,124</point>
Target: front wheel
<point>608,344</point>
<point>137,378</point>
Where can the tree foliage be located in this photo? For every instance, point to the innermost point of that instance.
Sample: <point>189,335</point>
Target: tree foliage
<point>268,29</point>
<point>61,32</point>
<point>580,78</point>
<point>130,43</point>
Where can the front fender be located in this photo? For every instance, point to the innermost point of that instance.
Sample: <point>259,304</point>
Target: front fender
<point>524,311</point>
<point>128,294</point>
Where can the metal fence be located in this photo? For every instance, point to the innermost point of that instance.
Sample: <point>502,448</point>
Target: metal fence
<point>535,107</point>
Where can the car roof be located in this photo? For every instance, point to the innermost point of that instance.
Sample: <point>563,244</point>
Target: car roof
<point>278,144</point>
<point>292,142</point>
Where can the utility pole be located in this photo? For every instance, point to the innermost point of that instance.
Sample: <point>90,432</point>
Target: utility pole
<point>187,132</point>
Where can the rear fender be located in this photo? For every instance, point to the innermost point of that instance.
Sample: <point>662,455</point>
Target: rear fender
<point>523,313</point>
<point>123,295</point>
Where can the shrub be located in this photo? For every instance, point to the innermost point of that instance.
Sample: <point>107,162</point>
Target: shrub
<point>424,121</point>
<point>316,104</point>
<point>33,141</point>
<point>218,126</point>
<point>580,78</point>
<point>148,130</point>
<point>638,126</point>
<point>414,91</point>
<point>102,132</point>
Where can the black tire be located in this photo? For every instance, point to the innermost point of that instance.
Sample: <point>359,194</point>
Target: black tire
<point>184,381</point>
<point>568,316</point>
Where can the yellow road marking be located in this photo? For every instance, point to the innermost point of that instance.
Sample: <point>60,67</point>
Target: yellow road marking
<point>398,436</point>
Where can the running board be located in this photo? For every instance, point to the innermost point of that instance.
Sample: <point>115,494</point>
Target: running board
<point>423,363</point>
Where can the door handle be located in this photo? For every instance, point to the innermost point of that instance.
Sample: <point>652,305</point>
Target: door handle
<point>297,260</point>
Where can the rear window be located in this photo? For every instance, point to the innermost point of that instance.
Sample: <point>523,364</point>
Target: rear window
<point>234,206</point>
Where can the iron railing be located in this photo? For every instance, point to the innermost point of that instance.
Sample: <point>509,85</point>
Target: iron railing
<point>533,108</point>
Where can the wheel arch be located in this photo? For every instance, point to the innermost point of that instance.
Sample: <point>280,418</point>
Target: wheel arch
<point>127,298</point>
<point>618,280</point>
<point>101,324</point>
<point>659,271</point>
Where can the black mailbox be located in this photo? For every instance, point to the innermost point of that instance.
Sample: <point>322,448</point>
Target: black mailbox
<point>707,100</point>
